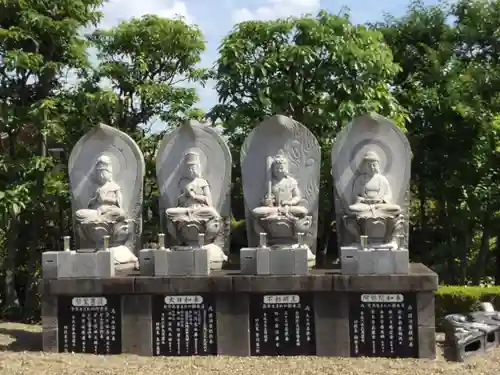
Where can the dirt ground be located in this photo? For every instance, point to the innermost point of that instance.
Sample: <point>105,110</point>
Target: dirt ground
<point>21,346</point>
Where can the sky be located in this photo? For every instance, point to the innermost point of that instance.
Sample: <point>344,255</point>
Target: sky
<point>217,17</point>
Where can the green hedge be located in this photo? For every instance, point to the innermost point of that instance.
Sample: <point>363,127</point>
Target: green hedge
<point>451,299</point>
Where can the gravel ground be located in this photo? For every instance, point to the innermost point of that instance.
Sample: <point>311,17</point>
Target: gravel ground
<point>21,345</point>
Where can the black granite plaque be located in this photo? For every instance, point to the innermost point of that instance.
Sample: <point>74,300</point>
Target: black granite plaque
<point>184,325</point>
<point>282,324</point>
<point>383,325</point>
<point>89,324</point>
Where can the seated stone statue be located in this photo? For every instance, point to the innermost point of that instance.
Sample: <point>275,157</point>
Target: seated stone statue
<point>282,201</point>
<point>194,205</point>
<point>105,215</point>
<point>283,196</point>
<point>372,192</point>
<point>105,205</point>
<point>372,212</point>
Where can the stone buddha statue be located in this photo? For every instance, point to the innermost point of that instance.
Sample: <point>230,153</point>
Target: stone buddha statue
<point>372,194</point>
<point>282,205</point>
<point>194,213</point>
<point>105,215</point>
<point>372,201</point>
<point>105,205</point>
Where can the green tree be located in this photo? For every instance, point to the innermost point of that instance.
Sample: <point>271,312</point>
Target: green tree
<point>322,71</point>
<point>478,50</point>
<point>145,60</point>
<point>39,42</point>
<point>452,133</point>
<point>144,68</point>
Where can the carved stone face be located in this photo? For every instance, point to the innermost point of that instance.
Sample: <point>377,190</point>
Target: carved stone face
<point>372,167</point>
<point>280,167</point>
<point>371,164</point>
<point>103,176</point>
<point>103,170</point>
<point>193,170</point>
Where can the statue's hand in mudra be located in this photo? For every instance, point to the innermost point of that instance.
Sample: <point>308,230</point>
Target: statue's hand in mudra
<point>200,198</point>
<point>284,208</point>
<point>373,201</point>
<point>287,203</point>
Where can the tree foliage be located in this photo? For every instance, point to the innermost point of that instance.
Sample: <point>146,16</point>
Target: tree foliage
<point>322,71</point>
<point>447,83</point>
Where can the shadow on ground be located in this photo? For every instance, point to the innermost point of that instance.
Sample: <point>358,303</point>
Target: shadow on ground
<point>19,340</point>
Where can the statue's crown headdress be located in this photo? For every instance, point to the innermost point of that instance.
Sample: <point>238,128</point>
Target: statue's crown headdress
<point>280,157</point>
<point>103,162</point>
<point>371,156</point>
<point>192,158</point>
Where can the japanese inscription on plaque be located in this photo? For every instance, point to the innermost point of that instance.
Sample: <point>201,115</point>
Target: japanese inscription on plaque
<point>383,325</point>
<point>282,325</point>
<point>184,325</point>
<point>89,325</point>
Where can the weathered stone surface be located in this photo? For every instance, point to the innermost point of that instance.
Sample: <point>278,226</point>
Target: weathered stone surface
<point>49,324</point>
<point>193,169</point>
<point>419,279</point>
<point>368,202</point>
<point>192,262</point>
<point>330,294</point>
<point>332,315</point>
<point>491,318</point>
<point>106,172</point>
<point>147,262</point>
<point>66,264</point>
<point>280,163</point>
<point>267,261</point>
<point>356,261</point>
<point>463,337</point>
<point>137,327</point>
<point>233,324</point>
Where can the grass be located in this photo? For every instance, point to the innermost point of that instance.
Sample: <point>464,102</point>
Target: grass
<point>21,345</point>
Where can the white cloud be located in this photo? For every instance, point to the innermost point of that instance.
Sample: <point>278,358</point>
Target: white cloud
<point>116,11</point>
<point>276,9</point>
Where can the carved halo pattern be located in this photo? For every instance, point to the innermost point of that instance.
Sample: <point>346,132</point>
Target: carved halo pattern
<point>371,133</point>
<point>122,151</point>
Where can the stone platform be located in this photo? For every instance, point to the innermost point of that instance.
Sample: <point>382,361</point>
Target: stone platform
<point>324,313</point>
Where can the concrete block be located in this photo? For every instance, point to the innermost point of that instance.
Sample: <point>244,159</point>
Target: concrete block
<point>70,264</point>
<point>137,327</point>
<point>233,324</point>
<point>460,350</point>
<point>263,261</point>
<point>147,262</point>
<point>185,262</point>
<point>401,260</point>
<point>355,261</point>
<point>50,335</point>
<point>248,261</point>
<point>332,315</point>
<point>349,260</point>
<point>272,261</point>
<point>288,261</point>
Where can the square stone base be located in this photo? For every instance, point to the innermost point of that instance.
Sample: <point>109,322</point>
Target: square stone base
<point>356,261</point>
<point>175,262</point>
<point>147,262</point>
<point>269,261</point>
<point>332,310</point>
<point>70,264</point>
